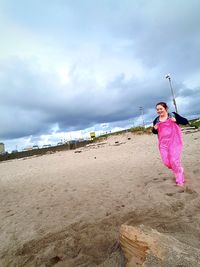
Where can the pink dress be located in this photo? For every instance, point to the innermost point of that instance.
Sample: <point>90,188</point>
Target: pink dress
<point>170,146</point>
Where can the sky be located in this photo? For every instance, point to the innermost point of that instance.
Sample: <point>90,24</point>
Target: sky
<point>68,67</point>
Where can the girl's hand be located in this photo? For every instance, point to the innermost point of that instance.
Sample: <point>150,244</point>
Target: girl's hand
<point>155,127</point>
<point>173,119</point>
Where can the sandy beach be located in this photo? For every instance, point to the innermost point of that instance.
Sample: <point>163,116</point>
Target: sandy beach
<point>65,209</point>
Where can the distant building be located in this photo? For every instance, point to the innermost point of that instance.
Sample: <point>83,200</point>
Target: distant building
<point>2,148</point>
<point>27,148</point>
<point>35,147</point>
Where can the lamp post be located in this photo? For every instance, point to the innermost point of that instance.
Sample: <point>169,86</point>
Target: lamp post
<point>170,84</point>
<point>142,115</point>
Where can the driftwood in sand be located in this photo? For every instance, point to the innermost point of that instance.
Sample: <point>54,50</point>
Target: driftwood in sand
<point>188,130</point>
<point>147,247</point>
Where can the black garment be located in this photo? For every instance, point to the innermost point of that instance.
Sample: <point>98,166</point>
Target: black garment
<point>179,120</point>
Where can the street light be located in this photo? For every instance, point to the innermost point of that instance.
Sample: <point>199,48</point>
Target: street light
<point>142,114</point>
<point>174,100</point>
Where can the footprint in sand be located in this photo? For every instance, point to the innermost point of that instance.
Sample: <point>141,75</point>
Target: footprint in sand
<point>196,171</point>
<point>54,260</point>
<point>190,190</point>
<point>157,180</point>
<point>10,215</point>
<point>40,212</point>
<point>183,190</point>
<point>41,190</point>
<point>169,194</point>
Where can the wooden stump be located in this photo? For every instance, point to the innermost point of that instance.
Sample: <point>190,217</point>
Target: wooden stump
<point>147,247</point>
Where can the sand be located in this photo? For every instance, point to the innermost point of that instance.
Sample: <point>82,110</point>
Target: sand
<point>65,209</point>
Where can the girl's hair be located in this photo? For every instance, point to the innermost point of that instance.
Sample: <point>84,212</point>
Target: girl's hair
<point>163,104</point>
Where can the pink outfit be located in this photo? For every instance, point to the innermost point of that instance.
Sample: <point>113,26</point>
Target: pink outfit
<point>170,146</point>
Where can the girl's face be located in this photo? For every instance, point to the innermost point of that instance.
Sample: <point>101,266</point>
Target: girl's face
<point>161,110</point>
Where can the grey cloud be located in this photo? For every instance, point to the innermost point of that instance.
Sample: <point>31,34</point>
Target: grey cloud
<point>32,105</point>
<point>163,36</point>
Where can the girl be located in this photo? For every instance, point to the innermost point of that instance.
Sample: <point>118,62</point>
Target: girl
<point>166,125</point>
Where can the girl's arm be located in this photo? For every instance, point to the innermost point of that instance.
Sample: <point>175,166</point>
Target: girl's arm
<point>154,130</point>
<point>180,119</point>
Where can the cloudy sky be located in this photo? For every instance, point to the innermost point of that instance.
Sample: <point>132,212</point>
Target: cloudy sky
<point>71,66</point>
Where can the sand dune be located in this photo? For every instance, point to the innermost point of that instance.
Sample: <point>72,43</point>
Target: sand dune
<point>65,209</point>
